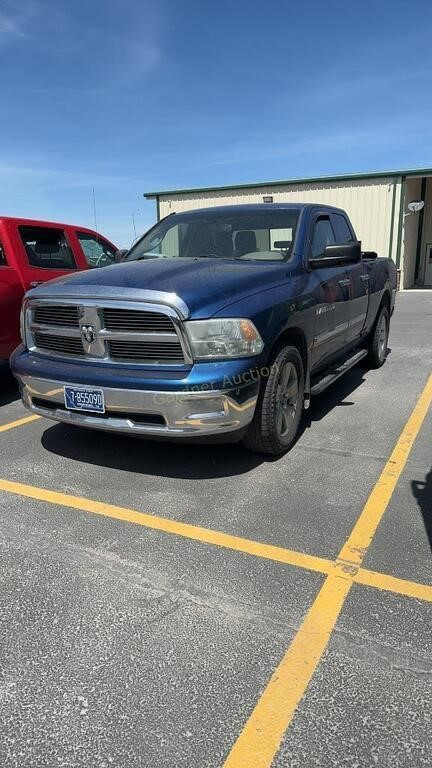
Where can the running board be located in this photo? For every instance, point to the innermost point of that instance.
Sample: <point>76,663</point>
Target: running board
<point>335,373</point>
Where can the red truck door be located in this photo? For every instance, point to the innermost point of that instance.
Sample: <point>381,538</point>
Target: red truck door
<point>44,252</point>
<point>11,293</point>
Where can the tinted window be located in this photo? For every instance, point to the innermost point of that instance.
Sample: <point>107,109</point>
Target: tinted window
<point>2,257</point>
<point>47,247</point>
<point>246,235</point>
<point>323,235</point>
<point>343,232</point>
<point>96,250</point>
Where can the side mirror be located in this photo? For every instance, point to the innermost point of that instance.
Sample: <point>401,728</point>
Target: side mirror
<point>338,255</point>
<point>120,255</point>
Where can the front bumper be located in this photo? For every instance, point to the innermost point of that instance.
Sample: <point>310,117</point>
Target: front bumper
<point>174,409</point>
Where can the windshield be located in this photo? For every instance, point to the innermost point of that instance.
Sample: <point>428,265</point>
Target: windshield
<point>257,235</point>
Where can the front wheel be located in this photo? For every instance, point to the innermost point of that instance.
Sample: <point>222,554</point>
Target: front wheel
<point>280,404</point>
<point>377,346</point>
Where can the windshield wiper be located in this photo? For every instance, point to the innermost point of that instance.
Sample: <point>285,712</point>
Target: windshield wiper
<point>150,255</point>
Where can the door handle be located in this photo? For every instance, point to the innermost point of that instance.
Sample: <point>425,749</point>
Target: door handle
<point>365,278</point>
<point>344,283</point>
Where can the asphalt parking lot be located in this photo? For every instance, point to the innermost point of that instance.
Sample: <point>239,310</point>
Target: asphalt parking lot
<point>188,606</point>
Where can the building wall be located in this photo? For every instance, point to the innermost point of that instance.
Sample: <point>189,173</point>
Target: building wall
<point>368,202</point>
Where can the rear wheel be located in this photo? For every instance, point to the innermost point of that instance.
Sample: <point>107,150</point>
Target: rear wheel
<point>280,404</point>
<point>377,346</point>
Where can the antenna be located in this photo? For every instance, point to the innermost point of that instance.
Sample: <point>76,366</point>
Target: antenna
<point>133,224</point>
<point>94,209</point>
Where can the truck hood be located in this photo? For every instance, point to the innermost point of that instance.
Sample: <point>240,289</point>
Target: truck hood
<point>205,285</point>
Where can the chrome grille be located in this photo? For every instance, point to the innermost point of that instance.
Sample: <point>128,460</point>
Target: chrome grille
<point>61,344</point>
<point>134,320</point>
<point>145,350</point>
<point>128,332</point>
<point>57,314</point>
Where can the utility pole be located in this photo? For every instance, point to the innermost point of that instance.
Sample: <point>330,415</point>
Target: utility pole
<point>94,209</point>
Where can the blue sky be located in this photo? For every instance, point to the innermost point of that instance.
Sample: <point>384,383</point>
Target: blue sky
<point>137,95</point>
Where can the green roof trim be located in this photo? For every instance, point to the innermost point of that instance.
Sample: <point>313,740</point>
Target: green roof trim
<point>306,180</point>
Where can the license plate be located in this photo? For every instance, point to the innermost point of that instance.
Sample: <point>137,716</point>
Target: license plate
<point>82,399</point>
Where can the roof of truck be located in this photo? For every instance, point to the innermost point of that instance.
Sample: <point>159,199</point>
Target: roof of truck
<point>38,222</point>
<point>245,207</point>
<point>23,221</point>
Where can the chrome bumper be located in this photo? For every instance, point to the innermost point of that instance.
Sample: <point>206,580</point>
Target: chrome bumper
<point>170,414</point>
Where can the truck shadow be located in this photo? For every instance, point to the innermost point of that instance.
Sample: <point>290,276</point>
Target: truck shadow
<point>149,457</point>
<point>422,492</point>
<point>333,397</point>
<point>173,460</point>
<point>9,391</point>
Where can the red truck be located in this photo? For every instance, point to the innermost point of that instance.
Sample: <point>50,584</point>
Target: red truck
<point>32,252</point>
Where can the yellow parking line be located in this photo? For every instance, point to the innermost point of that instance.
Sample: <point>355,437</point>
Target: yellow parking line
<point>18,423</point>
<point>392,584</point>
<point>258,549</point>
<point>194,532</point>
<point>365,527</point>
<point>263,732</point>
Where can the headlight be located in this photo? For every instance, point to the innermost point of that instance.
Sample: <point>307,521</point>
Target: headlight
<point>216,339</point>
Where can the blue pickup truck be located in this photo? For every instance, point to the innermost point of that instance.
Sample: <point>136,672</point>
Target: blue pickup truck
<point>218,325</point>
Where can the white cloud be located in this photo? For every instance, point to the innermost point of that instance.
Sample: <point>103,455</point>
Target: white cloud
<point>58,178</point>
<point>10,27</point>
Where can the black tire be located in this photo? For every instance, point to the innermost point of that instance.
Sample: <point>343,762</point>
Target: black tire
<point>377,343</point>
<point>277,416</point>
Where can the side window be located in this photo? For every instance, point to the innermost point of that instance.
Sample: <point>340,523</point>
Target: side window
<point>47,247</point>
<point>96,250</point>
<point>343,232</point>
<point>322,235</point>
<point>3,262</point>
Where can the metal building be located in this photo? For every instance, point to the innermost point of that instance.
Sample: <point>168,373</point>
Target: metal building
<point>377,203</point>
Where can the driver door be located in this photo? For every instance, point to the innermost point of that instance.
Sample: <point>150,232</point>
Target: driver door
<point>332,296</point>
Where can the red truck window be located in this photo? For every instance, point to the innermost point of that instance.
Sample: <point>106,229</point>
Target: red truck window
<point>47,247</point>
<point>97,251</point>
<point>3,262</point>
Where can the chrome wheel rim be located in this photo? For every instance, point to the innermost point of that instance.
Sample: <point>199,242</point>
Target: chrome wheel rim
<point>286,399</point>
<point>382,337</point>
